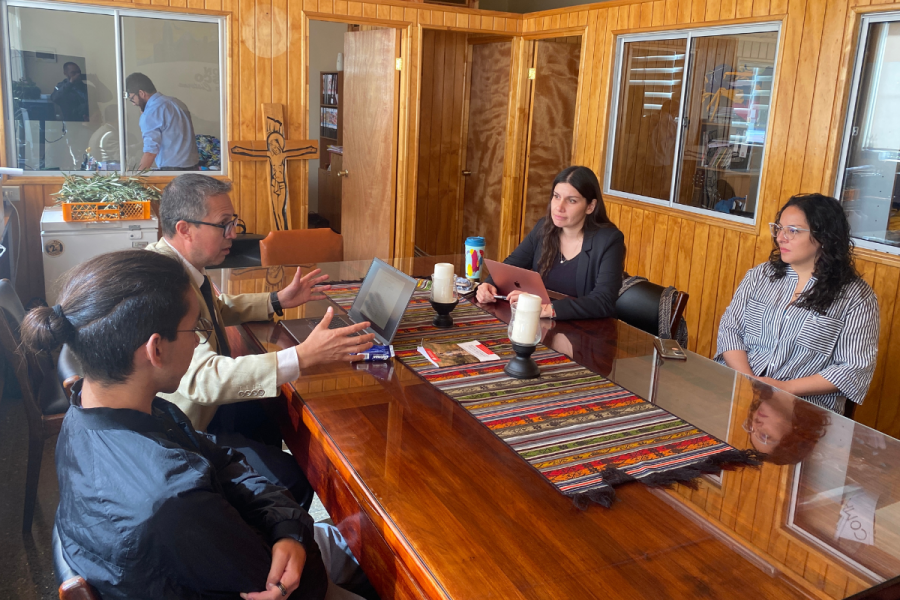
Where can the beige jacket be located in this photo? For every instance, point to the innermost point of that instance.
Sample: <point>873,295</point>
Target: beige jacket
<point>211,379</point>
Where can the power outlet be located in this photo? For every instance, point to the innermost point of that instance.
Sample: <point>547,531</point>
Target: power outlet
<point>11,193</point>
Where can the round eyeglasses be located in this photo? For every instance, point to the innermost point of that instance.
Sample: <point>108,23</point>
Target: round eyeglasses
<point>764,438</point>
<point>203,329</point>
<point>790,232</point>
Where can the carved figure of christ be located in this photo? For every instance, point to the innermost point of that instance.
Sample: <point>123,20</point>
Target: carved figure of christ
<point>276,150</point>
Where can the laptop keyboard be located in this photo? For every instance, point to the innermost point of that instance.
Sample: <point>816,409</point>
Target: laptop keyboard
<point>336,323</point>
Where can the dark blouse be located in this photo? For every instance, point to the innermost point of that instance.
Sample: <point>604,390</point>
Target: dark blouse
<point>598,271</point>
<point>561,277</point>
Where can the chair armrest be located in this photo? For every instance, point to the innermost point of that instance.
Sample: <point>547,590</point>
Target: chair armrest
<point>77,588</point>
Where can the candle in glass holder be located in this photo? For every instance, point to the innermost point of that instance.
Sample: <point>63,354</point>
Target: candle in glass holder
<point>442,283</point>
<point>527,319</point>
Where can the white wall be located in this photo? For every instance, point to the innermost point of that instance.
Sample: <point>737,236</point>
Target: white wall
<point>325,41</point>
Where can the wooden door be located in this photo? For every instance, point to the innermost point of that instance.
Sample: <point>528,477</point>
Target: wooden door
<point>550,138</point>
<point>486,144</point>
<point>368,195</point>
<point>441,126</point>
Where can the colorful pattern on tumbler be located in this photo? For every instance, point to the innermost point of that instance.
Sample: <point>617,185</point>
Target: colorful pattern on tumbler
<point>581,431</point>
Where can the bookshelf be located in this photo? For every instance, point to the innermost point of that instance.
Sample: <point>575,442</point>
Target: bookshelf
<point>331,139</point>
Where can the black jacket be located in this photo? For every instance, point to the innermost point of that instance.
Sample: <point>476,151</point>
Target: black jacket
<point>599,271</point>
<point>150,508</point>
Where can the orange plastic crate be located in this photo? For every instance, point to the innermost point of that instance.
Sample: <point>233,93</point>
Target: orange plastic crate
<point>92,211</point>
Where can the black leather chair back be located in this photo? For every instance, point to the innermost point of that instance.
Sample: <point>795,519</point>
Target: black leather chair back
<point>9,301</point>
<point>639,306</point>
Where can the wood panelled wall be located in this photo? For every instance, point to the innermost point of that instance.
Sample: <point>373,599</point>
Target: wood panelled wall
<point>703,255</point>
<point>267,62</point>
<point>706,256</point>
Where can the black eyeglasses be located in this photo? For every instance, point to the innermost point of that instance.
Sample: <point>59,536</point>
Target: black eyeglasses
<point>227,228</point>
<point>203,329</point>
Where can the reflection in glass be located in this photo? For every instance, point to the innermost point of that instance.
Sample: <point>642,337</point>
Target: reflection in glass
<point>181,59</point>
<point>727,114</point>
<point>647,117</point>
<point>63,81</point>
<point>870,173</point>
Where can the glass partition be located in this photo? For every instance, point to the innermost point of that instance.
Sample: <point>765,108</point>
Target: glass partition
<point>65,82</point>
<point>870,164</point>
<point>690,118</point>
<point>63,89</point>
<point>649,101</point>
<point>181,59</point>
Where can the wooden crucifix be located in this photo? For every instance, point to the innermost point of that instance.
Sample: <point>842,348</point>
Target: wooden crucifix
<point>277,150</point>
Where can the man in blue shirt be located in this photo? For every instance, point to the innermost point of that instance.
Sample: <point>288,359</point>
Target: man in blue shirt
<point>165,126</point>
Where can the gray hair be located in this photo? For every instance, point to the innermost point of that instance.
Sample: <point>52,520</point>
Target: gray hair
<point>184,199</point>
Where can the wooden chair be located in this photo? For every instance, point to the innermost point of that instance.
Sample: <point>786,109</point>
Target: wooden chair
<point>71,585</point>
<point>639,307</point>
<point>301,246</point>
<point>45,403</point>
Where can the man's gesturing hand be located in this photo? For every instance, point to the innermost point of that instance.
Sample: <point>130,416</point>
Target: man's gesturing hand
<point>303,289</point>
<point>333,345</point>
<point>288,559</point>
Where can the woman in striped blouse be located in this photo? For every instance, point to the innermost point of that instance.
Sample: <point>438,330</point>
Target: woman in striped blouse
<point>805,322</point>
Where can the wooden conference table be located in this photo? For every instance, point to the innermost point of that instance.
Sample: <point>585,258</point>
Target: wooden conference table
<point>435,506</point>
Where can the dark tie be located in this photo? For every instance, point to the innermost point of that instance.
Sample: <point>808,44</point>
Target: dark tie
<point>206,290</point>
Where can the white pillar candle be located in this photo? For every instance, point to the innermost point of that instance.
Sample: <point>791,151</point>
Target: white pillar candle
<point>443,270</point>
<point>442,289</point>
<point>527,319</point>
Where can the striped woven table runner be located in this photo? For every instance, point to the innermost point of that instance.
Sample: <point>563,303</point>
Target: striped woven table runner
<point>580,430</point>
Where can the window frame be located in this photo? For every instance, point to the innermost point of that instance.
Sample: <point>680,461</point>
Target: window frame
<point>856,74</point>
<point>688,35</point>
<point>117,14</point>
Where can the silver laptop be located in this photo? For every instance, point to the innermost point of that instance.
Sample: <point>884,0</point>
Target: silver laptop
<point>382,300</point>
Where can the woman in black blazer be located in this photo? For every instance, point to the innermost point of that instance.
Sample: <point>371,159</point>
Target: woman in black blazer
<point>575,248</point>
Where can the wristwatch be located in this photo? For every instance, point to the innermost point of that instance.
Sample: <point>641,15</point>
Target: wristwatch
<point>276,305</point>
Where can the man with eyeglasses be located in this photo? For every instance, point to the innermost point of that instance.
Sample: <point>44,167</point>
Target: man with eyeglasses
<point>166,127</point>
<point>218,392</point>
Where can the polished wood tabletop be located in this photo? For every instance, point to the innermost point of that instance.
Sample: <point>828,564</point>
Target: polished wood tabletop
<point>436,506</point>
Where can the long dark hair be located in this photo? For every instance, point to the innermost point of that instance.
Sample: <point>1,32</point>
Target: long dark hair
<point>583,180</point>
<point>834,263</point>
<point>809,424</point>
<point>109,306</point>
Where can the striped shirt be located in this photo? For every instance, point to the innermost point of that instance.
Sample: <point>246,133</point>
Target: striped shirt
<point>785,342</point>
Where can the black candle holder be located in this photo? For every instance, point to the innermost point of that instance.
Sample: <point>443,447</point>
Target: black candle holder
<point>522,366</point>
<point>443,309</point>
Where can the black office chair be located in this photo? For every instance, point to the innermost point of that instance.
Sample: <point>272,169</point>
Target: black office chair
<point>72,586</point>
<point>43,397</point>
<point>68,369</point>
<point>639,306</point>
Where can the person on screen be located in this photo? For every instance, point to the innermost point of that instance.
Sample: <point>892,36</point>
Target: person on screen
<point>804,321</point>
<point>221,394</point>
<point>148,506</point>
<point>71,94</point>
<point>575,248</point>
<point>166,127</point>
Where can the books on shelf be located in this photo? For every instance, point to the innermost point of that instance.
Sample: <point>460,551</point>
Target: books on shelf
<point>328,122</point>
<point>330,88</point>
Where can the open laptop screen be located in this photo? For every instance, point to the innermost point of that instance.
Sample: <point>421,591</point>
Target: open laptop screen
<point>382,299</point>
